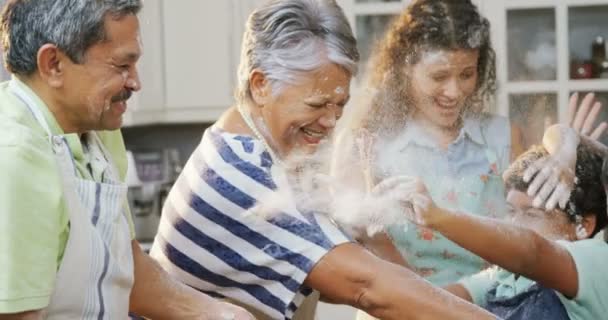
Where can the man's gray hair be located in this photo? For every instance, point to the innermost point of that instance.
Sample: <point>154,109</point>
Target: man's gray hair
<point>72,25</point>
<point>286,38</point>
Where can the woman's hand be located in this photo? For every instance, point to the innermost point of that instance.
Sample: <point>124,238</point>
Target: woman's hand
<point>582,118</point>
<point>554,175</point>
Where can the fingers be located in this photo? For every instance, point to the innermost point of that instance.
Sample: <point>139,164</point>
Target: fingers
<point>546,190</point>
<point>591,118</point>
<point>583,110</point>
<point>539,180</point>
<point>534,168</point>
<point>599,131</point>
<point>396,182</point>
<point>572,106</point>
<point>385,185</point>
<point>419,201</point>
<point>560,196</point>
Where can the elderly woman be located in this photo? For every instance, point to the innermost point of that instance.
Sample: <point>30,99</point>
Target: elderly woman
<point>297,61</point>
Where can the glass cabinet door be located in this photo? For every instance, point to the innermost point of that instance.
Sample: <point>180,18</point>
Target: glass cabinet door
<point>531,114</point>
<point>588,35</point>
<point>531,50</point>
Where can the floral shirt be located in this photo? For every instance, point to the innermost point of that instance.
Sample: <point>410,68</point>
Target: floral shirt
<point>465,177</point>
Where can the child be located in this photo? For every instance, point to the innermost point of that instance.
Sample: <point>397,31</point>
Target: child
<point>550,263</point>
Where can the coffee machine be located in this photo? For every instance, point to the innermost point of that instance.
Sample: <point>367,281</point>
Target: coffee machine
<point>150,175</point>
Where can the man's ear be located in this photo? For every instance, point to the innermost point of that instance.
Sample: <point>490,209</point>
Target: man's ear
<point>584,230</point>
<point>51,64</point>
<point>259,87</point>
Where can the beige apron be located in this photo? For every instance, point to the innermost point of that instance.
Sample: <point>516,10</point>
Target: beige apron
<point>95,276</point>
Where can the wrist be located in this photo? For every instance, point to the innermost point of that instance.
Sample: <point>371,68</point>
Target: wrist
<point>559,139</point>
<point>438,218</point>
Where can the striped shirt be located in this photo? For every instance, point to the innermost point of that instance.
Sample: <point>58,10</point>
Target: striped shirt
<point>210,239</point>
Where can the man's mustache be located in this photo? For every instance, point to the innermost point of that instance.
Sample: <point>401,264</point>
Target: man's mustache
<point>123,96</point>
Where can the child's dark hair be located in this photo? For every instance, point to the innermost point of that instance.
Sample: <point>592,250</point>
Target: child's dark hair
<point>588,196</point>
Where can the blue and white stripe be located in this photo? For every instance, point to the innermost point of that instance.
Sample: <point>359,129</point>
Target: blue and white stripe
<point>209,240</point>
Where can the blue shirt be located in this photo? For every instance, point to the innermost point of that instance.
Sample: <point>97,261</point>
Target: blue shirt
<point>465,177</point>
<point>591,302</point>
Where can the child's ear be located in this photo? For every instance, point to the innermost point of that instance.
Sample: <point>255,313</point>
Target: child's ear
<point>585,228</point>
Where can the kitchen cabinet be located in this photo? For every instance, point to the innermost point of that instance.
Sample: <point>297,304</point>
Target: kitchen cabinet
<point>197,64</point>
<point>191,53</point>
<point>148,105</point>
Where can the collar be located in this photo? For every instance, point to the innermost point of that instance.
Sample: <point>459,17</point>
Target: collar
<point>415,133</point>
<point>73,139</point>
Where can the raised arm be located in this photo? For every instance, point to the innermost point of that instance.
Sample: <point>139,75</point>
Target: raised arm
<point>351,275</point>
<point>352,163</point>
<point>514,248</point>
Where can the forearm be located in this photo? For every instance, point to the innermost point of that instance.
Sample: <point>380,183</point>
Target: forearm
<point>351,275</point>
<point>28,315</point>
<point>507,245</point>
<point>156,295</point>
<point>459,291</point>
<point>382,246</point>
<point>401,292</point>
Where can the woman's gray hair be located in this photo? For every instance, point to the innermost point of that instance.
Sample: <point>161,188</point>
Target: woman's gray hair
<point>72,25</point>
<point>286,38</point>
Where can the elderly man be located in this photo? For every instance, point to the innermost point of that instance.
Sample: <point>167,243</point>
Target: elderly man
<point>67,239</point>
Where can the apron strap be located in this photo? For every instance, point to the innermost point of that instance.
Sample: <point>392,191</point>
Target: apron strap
<point>97,148</point>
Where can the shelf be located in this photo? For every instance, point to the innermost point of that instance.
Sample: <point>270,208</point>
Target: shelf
<point>532,86</point>
<point>588,85</point>
<point>554,86</point>
<point>527,4</point>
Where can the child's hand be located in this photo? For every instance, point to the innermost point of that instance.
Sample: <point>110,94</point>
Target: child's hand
<point>417,205</point>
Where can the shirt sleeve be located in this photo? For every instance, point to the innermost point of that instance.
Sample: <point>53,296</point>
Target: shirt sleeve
<point>478,285</point>
<point>33,227</point>
<point>114,143</point>
<point>590,257</point>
